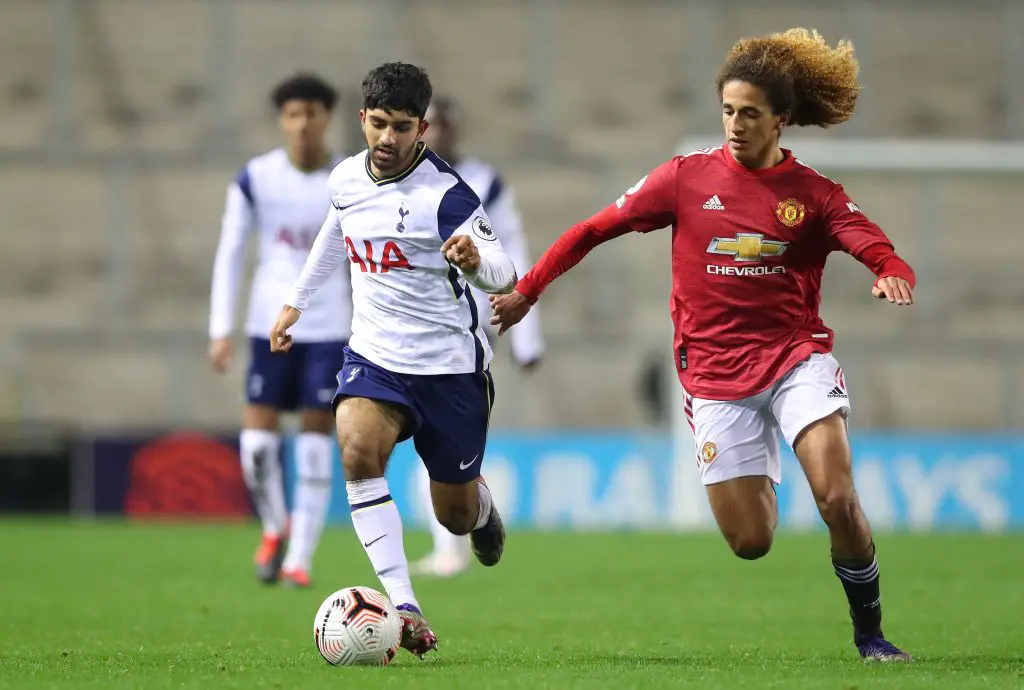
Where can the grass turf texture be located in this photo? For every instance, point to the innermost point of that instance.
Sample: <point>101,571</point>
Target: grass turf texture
<point>114,605</point>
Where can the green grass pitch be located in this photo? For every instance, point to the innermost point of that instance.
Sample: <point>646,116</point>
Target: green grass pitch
<point>115,605</point>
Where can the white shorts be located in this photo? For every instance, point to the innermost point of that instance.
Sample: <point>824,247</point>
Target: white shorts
<point>740,438</point>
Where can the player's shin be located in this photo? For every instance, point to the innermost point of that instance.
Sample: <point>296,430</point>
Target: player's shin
<point>261,468</point>
<point>487,538</point>
<point>379,529</point>
<point>860,580</point>
<point>853,559</point>
<point>312,498</point>
<point>486,503</point>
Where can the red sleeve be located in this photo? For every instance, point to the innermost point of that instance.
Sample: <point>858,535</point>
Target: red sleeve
<point>648,205</point>
<point>850,230</point>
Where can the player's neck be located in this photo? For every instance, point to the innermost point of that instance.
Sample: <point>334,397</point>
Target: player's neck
<point>776,157</point>
<point>772,157</point>
<point>308,161</point>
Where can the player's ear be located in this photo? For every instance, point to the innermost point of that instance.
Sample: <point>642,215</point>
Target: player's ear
<point>784,119</point>
<point>424,125</point>
<point>362,116</point>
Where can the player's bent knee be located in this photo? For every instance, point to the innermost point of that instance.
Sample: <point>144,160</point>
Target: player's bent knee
<point>363,456</point>
<point>838,507</point>
<point>751,544</point>
<point>317,421</point>
<point>260,417</point>
<point>457,519</point>
<point>751,550</point>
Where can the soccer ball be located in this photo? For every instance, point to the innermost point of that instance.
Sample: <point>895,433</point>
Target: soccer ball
<point>357,626</point>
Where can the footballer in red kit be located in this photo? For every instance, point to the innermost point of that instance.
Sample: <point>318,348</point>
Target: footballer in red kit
<point>741,238</point>
<point>751,229</point>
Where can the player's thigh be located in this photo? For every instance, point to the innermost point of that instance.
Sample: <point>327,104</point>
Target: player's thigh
<point>811,405</point>
<point>368,430</point>
<point>320,370</point>
<point>823,450</point>
<point>452,439</point>
<point>272,378</point>
<point>746,511</point>
<point>373,412</point>
<point>452,442</point>
<point>738,457</point>
<point>734,438</point>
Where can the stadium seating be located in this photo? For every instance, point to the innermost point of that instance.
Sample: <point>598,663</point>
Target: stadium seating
<point>572,115</point>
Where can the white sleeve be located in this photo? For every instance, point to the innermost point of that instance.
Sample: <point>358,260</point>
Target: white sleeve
<point>327,253</point>
<point>229,263</point>
<point>527,340</point>
<point>497,272</point>
<point>461,213</point>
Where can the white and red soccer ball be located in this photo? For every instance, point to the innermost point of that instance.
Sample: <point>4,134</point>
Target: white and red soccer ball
<point>357,626</point>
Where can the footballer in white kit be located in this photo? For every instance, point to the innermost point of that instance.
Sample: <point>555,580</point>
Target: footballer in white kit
<point>418,242</point>
<point>451,553</point>
<point>281,197</point>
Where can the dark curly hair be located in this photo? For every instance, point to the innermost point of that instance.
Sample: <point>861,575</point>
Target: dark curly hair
<point>304,86</point>
<point>397,86</point>
<point>799,73</point>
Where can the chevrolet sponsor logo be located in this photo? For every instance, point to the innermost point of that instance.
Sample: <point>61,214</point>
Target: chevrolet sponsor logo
<point>746,247</point>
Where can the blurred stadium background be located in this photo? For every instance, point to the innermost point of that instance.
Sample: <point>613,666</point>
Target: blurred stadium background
<point>122,121</point>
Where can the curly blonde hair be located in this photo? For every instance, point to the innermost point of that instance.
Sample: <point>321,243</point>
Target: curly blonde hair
<point>799,73</point>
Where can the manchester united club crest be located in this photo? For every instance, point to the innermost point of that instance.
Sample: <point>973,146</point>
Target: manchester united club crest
<point>708,452</point>
<point>790,212</point>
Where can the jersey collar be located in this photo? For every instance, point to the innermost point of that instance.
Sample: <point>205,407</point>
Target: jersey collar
<point>787,164</point>
<point>416,160</point>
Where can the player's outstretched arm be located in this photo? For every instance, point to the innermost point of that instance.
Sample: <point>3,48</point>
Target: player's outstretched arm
<point>325,256</point>
<point>851,231</point>
<point>228,267</point>
<point>567,251</point>
<point>327,253</point>
<point>648,205</point>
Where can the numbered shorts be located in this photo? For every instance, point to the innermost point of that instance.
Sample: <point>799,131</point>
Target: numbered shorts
<point>449,413</point>
<point>740,438</point>
<point>302,378</point>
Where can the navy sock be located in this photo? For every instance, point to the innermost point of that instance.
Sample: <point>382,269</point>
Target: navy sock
<point>860,582</point>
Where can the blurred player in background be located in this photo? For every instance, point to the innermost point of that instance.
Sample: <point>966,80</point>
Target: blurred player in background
<point>417,365</point>
<point>451,552</point>
<point>751,229</point>
<point>280,197</point>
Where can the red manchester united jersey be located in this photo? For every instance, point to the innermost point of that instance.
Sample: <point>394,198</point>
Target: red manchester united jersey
<point>748,250</point>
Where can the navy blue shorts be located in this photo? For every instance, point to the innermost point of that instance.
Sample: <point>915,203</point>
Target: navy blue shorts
<point>449,413</point>
<point>302,378</point>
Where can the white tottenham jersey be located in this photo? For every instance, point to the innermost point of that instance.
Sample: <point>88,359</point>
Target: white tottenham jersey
<point>286,207</point>
<point>499,202</point>
<point>413,312</point>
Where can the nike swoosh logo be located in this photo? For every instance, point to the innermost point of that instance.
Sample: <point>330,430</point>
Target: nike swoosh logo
<point>368,544</point>
<point>467,465</point>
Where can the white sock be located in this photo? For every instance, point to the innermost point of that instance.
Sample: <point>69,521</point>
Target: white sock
<point>446,544</point>
<point>485,504</point>
<point>261,466</point>
<point>312,498</point>
<point>379,528</point>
